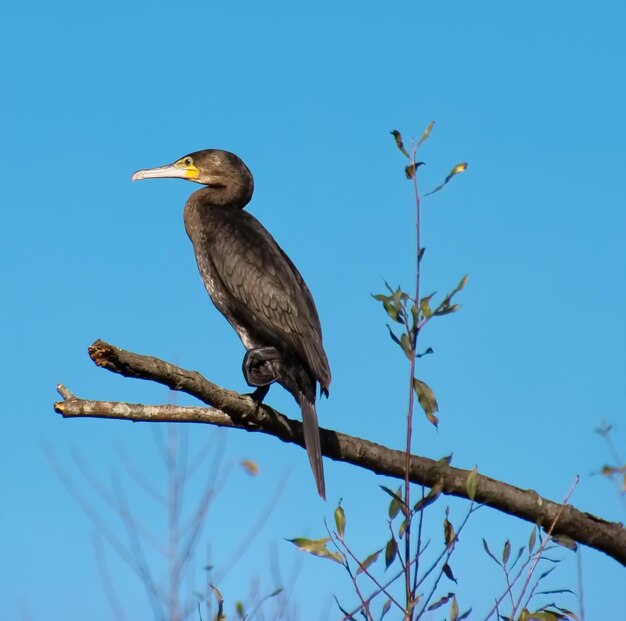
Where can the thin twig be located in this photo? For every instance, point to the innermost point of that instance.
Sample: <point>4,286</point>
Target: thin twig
<point>366,571</point>
<point>447,551</point>
<point>543,545</point>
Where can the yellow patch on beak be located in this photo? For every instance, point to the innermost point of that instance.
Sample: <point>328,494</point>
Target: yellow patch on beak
<point>191,172</point>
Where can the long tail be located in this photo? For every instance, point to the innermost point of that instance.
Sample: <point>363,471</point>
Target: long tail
<point>312,442</point>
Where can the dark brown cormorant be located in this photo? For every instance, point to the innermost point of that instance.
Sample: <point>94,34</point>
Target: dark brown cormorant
<point>254,284</point>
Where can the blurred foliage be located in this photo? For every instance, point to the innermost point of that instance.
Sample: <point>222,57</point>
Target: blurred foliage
<point>616,471</point>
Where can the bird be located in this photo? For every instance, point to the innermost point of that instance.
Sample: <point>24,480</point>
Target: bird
<point>255,285</point>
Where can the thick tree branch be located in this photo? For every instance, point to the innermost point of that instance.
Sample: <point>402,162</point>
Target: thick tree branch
<point>230,409</point>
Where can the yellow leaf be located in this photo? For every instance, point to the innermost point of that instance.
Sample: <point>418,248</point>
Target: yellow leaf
<point>427,400</point>
<point>459,168</point>
<point>398,138</point>
<point>340,520</point>
<point>250,467</point>
<point>368,561</point>
<point>426,133</point>
<point>454,610</point>
<point>317,547</point>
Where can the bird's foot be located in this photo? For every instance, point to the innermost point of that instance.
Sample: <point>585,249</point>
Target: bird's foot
<point>260,367</point>
<point>259,394</point>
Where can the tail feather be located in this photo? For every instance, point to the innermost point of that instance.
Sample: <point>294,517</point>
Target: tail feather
<point>312,443</point>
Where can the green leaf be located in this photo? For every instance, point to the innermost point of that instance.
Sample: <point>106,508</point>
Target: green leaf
<point>368,561</point>
<point>403,527</point>
<point>446,305</point>
<point>386,608</point>
<point>610,471</point>
<point>459,168</point>
<point>405,343</point>
<point>411,169</point>
<point>427,400</point>
<point>547,572</point>
<point>425,306</point>
<point>394,338</point>
<point>461,285</point>
<point>380,297</point>
<point>392,311</point>
<point>433,494</point>
<point>488,551</point>
<point>472,483</point>
<point>240,611</point>
<point>448,532</point>
<point>399,296</point>
<point>389,288</point>
<point>556,591</point>
<point>346,614</point>
<point>391,550</point>
<point>426,133</point>
<point>398,138</point>
<point>506,552</point>
<point>540,615</point>
<point>441,601</point>
<point>454,610</point>
<point>440,467</point>
<point>531,540</point>
<point>447,570</point>
<point>414,315</point>
<point>566,542</point>
<point>568,612</point>
<point>340,520</point>
<point>446,310</point>
<point>518,557</point>
<point>426,352</point>
<point>317,547</point>
<point>397,503</point>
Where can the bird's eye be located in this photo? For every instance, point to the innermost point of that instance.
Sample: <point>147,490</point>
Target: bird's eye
<point>187,161</point>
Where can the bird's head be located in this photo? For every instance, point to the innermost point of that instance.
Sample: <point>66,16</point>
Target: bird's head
<point>222,171</point>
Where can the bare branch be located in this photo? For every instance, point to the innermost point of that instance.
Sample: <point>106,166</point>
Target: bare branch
<point>230,409</point>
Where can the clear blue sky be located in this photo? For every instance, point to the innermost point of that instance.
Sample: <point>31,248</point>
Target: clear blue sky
<point>531,94</point>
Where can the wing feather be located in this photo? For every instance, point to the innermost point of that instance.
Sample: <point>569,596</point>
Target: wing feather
<point>258,274</point>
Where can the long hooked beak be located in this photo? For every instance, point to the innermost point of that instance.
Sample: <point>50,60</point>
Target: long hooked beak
<point>177,170</point>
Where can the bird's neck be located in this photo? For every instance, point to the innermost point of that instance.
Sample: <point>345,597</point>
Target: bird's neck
<point>207,206</point>
<point>236,195</point>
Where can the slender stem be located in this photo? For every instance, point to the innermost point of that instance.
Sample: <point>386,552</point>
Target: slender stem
<point>377,592</point>
<point>409,419</point>
<point>543,545</point>
<point>447,552</point>
<point>364,604</point>
<point>509,585</point>
<point>418,549</point>
<point>382,589</point>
